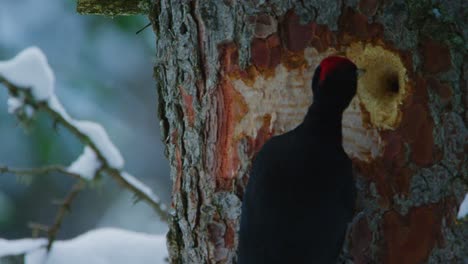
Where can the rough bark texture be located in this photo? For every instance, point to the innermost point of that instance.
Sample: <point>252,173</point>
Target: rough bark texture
<point>113,7</point>
<point>231,74</point>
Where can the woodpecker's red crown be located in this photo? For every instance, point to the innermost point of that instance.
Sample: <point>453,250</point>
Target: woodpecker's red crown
<point>333,63</point>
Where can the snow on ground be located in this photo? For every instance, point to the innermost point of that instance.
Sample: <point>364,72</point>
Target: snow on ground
<point>20,246</point>
<point>99,246</point>
<point>86,165</point>
<point>463,211</point>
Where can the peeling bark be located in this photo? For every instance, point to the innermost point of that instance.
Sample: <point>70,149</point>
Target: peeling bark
<point>231,74</point>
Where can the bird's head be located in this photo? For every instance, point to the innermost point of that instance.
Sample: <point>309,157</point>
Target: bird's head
<point>334,83</point>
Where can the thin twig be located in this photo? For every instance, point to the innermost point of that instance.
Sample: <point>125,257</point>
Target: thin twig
<point>36,228</point>
<point>158,207</point>
<point>58,118</point>
<point>64,208</point>
<point>38,171</point>
<point>145,27</point>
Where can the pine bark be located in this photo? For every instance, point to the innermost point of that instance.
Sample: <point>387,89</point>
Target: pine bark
<point>231,74</point>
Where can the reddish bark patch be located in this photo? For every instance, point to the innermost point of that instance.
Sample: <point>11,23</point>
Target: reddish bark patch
<point>394,149</point>
<point>403,181</point>
<point>266,53</point>
<point>297,35</point>
<point>323,38</point>
<point>354,25</point>
<point>357,24</point>
<point>420,91</point>
<point>375,31</point>
<point>263,134</point>
<point>436,56</point>
<point>230,110</point>
<point>376,173</point>
<point>178,159</point>
<point>274,44</point>
<point>407,59</point>
<point>368,7</point>
<point>361,237</point>
<point>293,60</point>
<point>188,106</point>
<point>394,162</point>
<point>390,172</point>
<point>423,146</point>
<point>443,90</point>
<point>259,53</point>
<point>417,126</point>
<point>178,162</point>
<point>229,236</point>
<point>410,239</point>
<point>414,118</point>
<point>229,58</point>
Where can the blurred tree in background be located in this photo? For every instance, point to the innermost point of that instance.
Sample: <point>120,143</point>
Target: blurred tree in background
<point>103,72</point>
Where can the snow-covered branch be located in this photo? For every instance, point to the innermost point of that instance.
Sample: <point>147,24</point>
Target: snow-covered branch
<point>30,82</point>
<point>463,210</point>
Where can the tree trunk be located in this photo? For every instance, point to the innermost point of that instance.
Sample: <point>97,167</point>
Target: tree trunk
<point>231,74</point>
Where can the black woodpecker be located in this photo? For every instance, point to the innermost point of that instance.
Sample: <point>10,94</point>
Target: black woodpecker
<point>301,193</point>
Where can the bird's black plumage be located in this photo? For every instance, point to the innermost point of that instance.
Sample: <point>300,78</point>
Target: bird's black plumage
<point>300,195</point>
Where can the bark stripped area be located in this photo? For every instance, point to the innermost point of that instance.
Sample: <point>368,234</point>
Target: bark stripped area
<point>232,74</point>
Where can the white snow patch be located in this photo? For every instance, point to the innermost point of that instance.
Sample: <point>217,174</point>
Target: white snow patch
<point>463,211</point>
<point>30,70</point>
<point>14,104</point>
<point>99,246</point>
<point>98,135</point>
<point>29,111</point>
<point>20,246</point>
<point>436,13</point>
<point>140,186</point>
<point>86,165</point>
<point>54,104</point>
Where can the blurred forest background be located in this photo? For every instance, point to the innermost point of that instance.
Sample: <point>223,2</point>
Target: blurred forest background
<point>103,73</point>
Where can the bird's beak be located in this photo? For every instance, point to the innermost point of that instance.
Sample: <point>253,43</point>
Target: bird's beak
<point>360,72</point>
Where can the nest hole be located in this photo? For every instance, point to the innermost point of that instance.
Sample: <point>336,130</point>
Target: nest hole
<point>392,84</point>
<point>383,86</point>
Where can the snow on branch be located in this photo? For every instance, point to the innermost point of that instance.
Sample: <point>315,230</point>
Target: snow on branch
<point>86,165</point>
<point>463,210</point>
<point>105,245</point>
<point>30,82</point>
<point>30,69</point>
